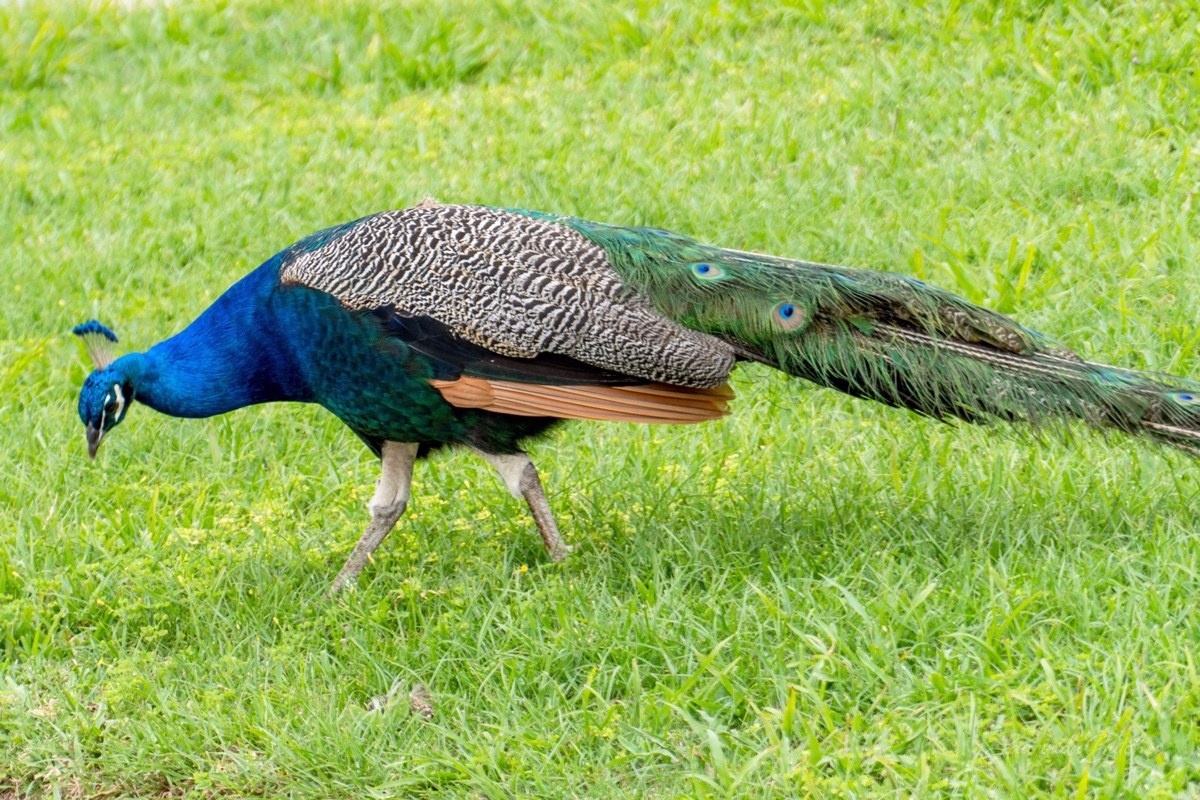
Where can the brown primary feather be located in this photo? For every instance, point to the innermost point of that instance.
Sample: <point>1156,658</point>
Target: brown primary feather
<point>655,402</point>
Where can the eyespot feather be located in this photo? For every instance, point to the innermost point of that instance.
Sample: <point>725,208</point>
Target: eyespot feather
<point>788,315</point>
<point>706,271</point>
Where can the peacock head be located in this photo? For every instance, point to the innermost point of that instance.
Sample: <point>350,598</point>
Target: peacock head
<point>108,392</point>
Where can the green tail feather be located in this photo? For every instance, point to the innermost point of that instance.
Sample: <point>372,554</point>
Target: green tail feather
<point>892,339</point>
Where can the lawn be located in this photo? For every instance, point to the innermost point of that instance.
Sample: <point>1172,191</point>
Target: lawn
<point>814,597</point>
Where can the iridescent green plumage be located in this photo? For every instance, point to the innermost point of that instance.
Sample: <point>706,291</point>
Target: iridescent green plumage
<point>889,338</point>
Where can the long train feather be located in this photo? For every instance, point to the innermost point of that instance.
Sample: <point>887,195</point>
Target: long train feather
<point>891,339</point>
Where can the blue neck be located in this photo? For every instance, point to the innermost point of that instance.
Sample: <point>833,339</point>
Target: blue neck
<point>234,355</point>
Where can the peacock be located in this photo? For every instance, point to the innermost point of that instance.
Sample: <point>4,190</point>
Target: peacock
<point>483,327</point>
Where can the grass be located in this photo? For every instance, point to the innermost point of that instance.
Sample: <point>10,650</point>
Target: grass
<point>815,597</point>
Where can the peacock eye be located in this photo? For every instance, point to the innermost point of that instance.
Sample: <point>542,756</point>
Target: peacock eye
<point>114,401</point>
<point>707,271</point>
<point>789,316</point>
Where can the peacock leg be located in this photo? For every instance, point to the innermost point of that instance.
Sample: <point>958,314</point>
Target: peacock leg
<point>391,497</point>
<point>521,478</point>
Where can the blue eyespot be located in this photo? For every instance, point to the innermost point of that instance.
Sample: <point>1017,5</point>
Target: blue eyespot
<point>707,271</point>
<point>1186,398</point>
<point>789,316</point>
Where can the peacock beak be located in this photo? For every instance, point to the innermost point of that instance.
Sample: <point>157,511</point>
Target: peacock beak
<point>94,435</point>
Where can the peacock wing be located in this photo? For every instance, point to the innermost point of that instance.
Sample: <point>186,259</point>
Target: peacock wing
<point>516,315</point>
<point>510,283</point>
<point>548,385</point>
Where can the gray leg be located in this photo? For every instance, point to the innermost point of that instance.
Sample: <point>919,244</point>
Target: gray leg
<point>521,478</point>
<point>391,497</point>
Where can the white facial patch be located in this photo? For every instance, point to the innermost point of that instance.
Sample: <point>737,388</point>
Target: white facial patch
<point>119,396</point>
<point>118,400</point>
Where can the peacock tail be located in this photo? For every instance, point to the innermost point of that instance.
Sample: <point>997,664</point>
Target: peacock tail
<point>889,338</point>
